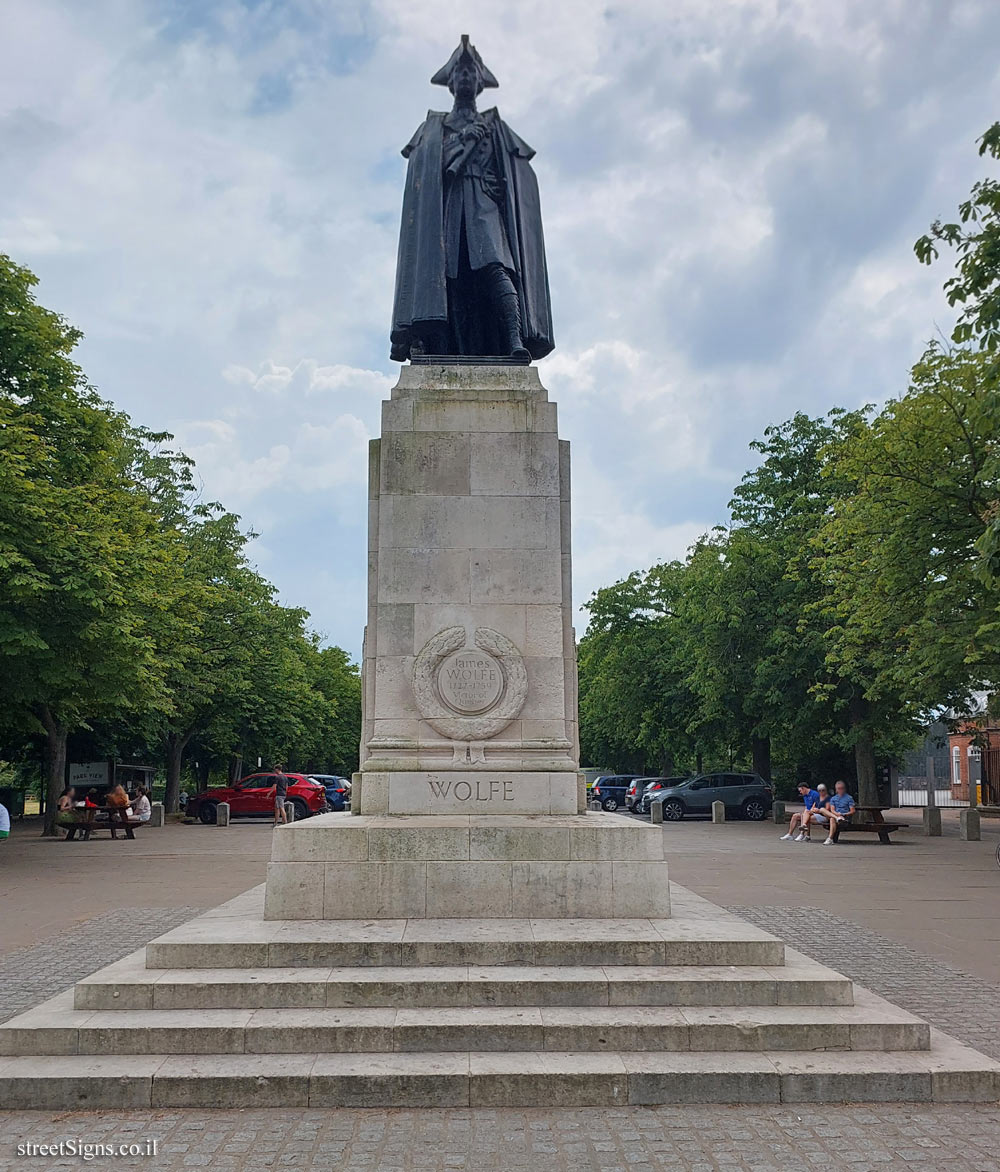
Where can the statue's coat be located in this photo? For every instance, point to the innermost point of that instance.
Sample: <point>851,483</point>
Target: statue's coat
<point>421,281</point>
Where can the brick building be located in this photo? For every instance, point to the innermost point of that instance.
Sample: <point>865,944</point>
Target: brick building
<point>974,760</point>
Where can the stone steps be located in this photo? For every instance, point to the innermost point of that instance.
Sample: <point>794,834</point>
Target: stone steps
<point>57,1028</point>
<point>239,943</point>
<point>128,984</point>
<point>580,1013</point>
<point>946,1073</point>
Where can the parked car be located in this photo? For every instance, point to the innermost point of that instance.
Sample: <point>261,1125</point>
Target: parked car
<point>636,788</point>
<point>655,785</point>
<point>338,790</point>
<point>610,790</point>
<point>744,794</point>
<point>252,797</point>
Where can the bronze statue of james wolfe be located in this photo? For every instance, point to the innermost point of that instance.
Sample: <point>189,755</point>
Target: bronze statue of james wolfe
<point>471,278</point>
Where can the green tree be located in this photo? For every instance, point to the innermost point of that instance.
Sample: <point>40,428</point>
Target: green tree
<point>636,704</point>
<point>130,614</point>
<point>778,508</point>
<point>901,551</point>
<point>331,745</point>
<point>87,571</point>
<point>976,240</point>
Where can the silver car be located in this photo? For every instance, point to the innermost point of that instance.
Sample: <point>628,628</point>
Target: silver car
<point>745,795</point>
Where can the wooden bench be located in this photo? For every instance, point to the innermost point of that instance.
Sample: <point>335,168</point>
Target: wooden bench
<point>869,820</point>
<point>113,820</point>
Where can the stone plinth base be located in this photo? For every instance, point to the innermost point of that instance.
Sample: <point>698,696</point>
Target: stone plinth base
<point>458,866</point>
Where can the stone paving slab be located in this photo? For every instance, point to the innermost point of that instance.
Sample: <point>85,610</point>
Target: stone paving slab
<point>679,1138</point>
<point>29,975</point>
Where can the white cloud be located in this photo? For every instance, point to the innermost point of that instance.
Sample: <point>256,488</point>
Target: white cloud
<point>310,376</point>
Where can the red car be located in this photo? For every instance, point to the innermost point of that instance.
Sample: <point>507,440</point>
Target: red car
<point>253,797</point>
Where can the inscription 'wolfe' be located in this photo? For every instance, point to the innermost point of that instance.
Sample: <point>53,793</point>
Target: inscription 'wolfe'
<point>464,791</point>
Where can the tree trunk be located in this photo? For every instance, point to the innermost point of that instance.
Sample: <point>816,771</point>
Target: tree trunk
<point>55,761</point>
<point>176,744</point>
<point>236,767</point>
<point>699,762</point>
<point>761,749</point>
<point>667,765</point>
<point>864,752</point>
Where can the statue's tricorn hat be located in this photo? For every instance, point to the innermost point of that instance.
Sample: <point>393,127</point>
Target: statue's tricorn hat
<point>465,51</point>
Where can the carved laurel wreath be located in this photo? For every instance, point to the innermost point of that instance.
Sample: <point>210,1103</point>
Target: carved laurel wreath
<point>469,728</point>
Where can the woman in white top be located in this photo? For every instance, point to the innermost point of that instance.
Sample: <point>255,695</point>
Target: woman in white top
<point>141,808</point>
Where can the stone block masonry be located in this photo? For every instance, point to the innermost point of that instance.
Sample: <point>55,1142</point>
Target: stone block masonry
<point>470,656</point>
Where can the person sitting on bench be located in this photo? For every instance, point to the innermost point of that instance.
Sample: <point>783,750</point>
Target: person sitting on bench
<point>117,799</point>
<point>840,807</point>
<point>819,814</point>
<point>141,808</point>
<point>813,802</point>
<point>65,815</point>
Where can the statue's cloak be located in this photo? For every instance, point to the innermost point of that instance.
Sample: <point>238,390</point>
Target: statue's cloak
<point>421,282</point>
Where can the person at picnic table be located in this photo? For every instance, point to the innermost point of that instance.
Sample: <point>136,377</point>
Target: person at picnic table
<point>4,822</point>
<point>64,810</point>
<point>141,808</point>
<point>117,798</point>
<point>813,802</point>
<point>840,807</point>
<point>280,792</point>
<point>90,802</point>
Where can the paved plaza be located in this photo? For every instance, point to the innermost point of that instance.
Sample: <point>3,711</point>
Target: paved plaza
<point>915,922</point>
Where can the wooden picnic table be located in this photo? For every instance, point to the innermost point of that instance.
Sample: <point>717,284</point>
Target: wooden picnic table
<point>97,818</point>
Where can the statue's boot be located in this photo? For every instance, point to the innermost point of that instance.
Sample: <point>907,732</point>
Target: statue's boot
<point>510,316</point>
<point>508,306</point>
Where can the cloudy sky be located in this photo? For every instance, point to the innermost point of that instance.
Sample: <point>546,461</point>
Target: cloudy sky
<point>210,189</point>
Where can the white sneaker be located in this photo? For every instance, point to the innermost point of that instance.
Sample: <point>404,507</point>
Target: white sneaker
<point>829,842</point>
<point>784,836</point>
<point>800,837</point>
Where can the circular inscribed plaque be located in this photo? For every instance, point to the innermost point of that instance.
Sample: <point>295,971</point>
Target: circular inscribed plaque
<point>470,682</point>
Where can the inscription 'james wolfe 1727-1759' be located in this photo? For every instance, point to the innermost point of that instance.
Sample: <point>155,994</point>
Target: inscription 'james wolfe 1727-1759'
<point>469,693</point>
<point>470,681</point>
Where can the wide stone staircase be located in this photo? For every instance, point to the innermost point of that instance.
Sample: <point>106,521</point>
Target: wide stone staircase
<point>231,1009</point>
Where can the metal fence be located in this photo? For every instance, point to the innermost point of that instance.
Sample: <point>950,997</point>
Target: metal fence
<point>913,792</point>
<point>990,775</point>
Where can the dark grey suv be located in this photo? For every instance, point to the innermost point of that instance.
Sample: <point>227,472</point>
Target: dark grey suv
<point>745,795</point>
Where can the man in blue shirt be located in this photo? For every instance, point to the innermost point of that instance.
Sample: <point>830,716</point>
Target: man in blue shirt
<point>814,801</point>
<point>840,808</point>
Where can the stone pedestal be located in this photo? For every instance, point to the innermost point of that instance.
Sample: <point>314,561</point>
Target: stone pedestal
<point>455,866</point>
<point>470,657</point>
<point>469,802</point>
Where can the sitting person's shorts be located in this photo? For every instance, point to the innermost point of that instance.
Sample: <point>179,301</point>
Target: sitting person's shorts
<point>818,816</point>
